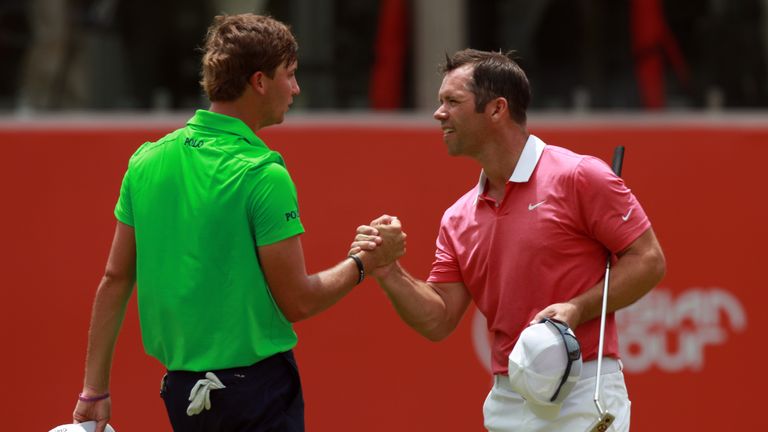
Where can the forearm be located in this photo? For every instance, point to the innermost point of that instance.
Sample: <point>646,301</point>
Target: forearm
<point>106,320</point>
<point>301,296</point>
<point>631,277</point>
<point>418,304</point>
<point>324,289</point>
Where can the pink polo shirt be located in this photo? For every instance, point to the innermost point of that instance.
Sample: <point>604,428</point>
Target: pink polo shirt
<point>544,243</point>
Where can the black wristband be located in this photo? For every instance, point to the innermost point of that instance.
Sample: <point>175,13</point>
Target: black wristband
<point>360,267</point>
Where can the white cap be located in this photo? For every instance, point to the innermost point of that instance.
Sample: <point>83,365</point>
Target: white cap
<point>88,426</point>
<point>539,362</point>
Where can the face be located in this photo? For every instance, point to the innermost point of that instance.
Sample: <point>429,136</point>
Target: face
<point>462,126</point>
<point>280,91</point>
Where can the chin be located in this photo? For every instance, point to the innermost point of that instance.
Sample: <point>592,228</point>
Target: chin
<point>452,147</point>
<point>453,151</point>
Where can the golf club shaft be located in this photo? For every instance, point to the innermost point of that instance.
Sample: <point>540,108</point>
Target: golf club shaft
<point>618,160</point>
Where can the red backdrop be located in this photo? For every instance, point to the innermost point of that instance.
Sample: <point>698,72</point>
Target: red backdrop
<point>693,349</point>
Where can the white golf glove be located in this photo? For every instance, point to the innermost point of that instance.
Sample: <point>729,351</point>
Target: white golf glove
<point>200,396</point>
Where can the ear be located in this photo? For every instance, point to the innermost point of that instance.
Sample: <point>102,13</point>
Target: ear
<point>257,81</point>
<point>498,108</point>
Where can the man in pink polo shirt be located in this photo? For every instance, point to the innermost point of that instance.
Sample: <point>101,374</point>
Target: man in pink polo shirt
<point>528,242</point>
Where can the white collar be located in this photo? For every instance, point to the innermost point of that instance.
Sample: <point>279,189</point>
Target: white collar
<point>525,165</point>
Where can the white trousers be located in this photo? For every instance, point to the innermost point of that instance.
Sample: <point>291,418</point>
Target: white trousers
<point>505,410</point>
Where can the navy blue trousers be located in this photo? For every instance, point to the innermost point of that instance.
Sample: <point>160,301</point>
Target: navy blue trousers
<point>262,397</point>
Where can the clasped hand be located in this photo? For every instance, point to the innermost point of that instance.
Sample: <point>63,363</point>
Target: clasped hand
<point>384,239</point>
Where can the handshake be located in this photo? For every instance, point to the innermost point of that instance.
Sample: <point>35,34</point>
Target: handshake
<point>379,244</point>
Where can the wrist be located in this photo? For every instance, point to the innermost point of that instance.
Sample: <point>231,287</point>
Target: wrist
<point>575,313</point>
<point>95,390</point>
<point>368,259</point>
<point>383,273</point>
<point>91,397</point>
<point>360,267</point>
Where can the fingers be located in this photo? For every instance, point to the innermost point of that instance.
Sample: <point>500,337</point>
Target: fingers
<point>99,411</point>
<point>358,246</point>
<point>393,230</point>
<point>367,230</point>
<point>547,312</point>
<point>565,312</point>
<point>368,238</point>
<point>383,220</point>
<point>536,319</point>
<point>384,238</point>
<point>80,414</point>
<point>365,242</point>
<point>395,222</point>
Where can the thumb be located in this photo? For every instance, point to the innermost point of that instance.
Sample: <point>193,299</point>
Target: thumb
<point>383,220</point>
<point>395,222</point>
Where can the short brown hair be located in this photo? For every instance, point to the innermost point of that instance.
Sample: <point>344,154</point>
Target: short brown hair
<point>495,75</point>
<point>237,46</point>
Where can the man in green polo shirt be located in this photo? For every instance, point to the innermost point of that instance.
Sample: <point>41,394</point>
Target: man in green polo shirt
<point>208,229</point>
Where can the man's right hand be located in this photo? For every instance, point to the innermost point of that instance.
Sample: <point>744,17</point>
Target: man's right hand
<point>99,411</point>
<point>384,239</point>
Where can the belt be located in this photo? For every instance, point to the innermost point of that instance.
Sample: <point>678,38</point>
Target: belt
<point>610,365</point>
<point>588,370</point>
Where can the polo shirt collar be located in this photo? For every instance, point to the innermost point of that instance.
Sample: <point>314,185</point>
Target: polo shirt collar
<point>529,158</point>
<point>224,123</point>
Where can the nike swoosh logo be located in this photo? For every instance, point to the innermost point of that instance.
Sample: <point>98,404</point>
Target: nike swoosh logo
<point>626,216</point>
<point>533,206</point>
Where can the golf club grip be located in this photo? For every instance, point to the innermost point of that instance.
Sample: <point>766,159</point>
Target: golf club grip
<point>618,160</point>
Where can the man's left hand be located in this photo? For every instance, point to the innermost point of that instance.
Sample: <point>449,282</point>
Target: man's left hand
<point>566,312</point>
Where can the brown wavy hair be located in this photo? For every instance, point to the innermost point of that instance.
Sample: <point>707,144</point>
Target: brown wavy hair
<point>237,46</point>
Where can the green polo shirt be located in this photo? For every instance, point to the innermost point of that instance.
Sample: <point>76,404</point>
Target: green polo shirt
<point>201,200</point>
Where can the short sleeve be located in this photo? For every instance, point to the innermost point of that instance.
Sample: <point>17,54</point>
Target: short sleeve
<point>124,206</point>
<point>610,212</point>
<point>445,268</point>
<point>274,208</point>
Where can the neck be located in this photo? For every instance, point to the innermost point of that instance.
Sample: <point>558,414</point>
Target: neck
<point>243,109</point>
<point>501,157</point>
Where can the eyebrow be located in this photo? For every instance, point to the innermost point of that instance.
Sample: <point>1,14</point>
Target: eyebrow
<point>450,95</point>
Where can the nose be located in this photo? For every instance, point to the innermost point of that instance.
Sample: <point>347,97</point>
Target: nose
<point>295,88</point>
<point>440,114</point>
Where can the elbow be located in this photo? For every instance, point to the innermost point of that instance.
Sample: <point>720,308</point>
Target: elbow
<point>117,280</point>
<point>435,325</point>
<point>296,313</point>
<point>435,333</point>
<point>658,266</point>
<point>293,319</point>
<point>297,310</point>
<point>654,268</point>
<point>436,336</point>
<point>291,316</point>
